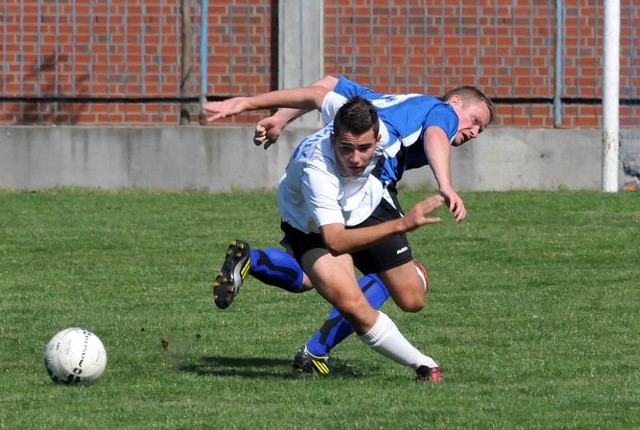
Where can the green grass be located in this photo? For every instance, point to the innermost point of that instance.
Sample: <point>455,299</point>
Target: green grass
<point>533,313</point>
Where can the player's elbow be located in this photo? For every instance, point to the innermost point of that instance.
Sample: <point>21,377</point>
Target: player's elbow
<point>318,94</point>
<point>329,82</point>
<point>335,248</point>
<point>333,236</point>
<point>334,244</point>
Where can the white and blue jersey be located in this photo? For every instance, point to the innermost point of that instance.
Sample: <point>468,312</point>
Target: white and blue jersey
<point>313,192</point>
<point>403,121</point>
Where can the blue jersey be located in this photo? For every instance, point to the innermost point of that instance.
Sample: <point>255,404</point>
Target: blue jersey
<point>404,119</point>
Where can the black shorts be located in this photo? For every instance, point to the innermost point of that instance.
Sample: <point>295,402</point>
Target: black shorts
<point>390,253</point>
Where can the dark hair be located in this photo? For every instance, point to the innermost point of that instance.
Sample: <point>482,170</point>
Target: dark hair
<point>469,93</point>
<point>357,116</point>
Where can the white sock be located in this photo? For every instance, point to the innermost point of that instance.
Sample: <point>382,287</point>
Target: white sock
<point>385,338</point>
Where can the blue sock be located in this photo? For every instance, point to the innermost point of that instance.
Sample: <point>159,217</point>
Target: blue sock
<point>274,266</point>
<point>335,329</point>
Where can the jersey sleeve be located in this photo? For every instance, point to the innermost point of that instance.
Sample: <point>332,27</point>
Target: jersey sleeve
<point>343,91</point>
<point>330,105</point>
<point>348,89</point>
<point>444,116</point>
<point>321,191</point>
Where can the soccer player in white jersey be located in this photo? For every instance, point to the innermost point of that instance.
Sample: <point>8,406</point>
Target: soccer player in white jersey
<point>405,118</point>
<point>324,184</point>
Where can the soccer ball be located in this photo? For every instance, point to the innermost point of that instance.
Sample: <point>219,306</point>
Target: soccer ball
<point>75,356</point>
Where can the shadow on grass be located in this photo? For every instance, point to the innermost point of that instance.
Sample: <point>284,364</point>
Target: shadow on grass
<point>254,367</point>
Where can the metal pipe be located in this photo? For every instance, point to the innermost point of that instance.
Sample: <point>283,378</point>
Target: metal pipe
<point>5,63</point>
<point>204,36</point>
<point>559,86</point>
<point>38,51</point>
<point>611,96</point>
<point>185,9</point>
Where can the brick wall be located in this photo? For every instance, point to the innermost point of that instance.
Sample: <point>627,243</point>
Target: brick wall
<point>505,47</point>
<point>67,60</point>
<point>118,62</point>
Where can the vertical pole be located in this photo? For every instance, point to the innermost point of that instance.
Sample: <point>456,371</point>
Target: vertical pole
<point>38,51</point>
<point>301,48</point>
<point>611,96</point>
<point>185,10</point>
<point>557,99</point>
<point>204,36</point>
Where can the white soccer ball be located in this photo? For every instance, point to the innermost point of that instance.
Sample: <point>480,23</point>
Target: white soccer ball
<point>75,356</point>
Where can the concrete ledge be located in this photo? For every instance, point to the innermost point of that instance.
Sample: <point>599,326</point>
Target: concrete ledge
<point>221,159</point>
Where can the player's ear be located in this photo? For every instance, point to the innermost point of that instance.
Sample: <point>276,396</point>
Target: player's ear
<point>332,138</point>
<point>455,100</point>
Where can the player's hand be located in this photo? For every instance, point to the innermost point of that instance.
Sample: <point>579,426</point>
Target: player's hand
<point>454,203</point>
<point>267,132</point>
<point>225,108</point>
<point>420,213</point>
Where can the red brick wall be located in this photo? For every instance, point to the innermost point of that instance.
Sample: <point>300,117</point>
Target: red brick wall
<point>240,51</point>
<point>90,53</point>
<point>505,47</point>
<point>121,65</point>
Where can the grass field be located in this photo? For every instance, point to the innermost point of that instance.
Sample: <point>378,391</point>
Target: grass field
<point>534,314</point>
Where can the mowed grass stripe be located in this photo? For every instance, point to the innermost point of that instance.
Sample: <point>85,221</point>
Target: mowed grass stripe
<point>533,314</point>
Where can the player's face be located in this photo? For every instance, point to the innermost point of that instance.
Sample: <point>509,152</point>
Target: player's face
<point>354,152</point>
<point>473,119</point>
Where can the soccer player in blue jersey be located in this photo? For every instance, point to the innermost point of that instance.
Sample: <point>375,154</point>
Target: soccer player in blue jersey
<point>329,184</point>
<point>415,130</point>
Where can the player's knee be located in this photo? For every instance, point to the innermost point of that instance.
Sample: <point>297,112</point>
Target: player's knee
<point>410,295</point>
<point>412,303</point>
<point>353,310</point>
<point>413,307</point>
<point>358,313</point>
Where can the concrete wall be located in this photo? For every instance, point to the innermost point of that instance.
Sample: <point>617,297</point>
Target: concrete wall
<point>524,159</point>
<point>221,159</point>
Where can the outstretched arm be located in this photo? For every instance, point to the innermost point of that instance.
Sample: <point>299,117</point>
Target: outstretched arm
<point>340,240</point>
<point>269,129</point>
<point>438,150</point>
<point>306,98</point>
<point>298,100</point>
